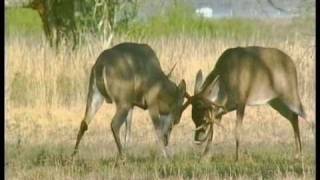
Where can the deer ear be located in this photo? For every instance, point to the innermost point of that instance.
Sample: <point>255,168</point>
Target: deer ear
<point>198,83</point>
<point>211,91</point>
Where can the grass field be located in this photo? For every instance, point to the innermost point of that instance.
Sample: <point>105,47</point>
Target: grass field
<point>45,102</point>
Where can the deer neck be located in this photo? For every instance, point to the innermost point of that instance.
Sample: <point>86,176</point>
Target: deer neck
<point>162,94</point>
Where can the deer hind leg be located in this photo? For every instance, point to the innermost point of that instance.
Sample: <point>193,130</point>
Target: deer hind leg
<point>94,102</point>
<point>295,125</point>
<point>116,123</point>
<point>238,127</point>
<point>285,111</point>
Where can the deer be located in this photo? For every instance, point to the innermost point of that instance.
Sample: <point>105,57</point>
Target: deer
<point>129,75</point>
<point>246,76</point>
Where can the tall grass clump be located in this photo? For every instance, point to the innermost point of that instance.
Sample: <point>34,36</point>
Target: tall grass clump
<point>39,76</point>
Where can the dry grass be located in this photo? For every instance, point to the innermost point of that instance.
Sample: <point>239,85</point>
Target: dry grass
<point>46,96</point>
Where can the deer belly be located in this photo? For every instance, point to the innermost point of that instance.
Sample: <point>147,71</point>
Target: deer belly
<point>261,95</point>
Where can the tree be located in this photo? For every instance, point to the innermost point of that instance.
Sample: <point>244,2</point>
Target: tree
<point>70,20</point>
<point>104,17</point>
<point>58,19</point>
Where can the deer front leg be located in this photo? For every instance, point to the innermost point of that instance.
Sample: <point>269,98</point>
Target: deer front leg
<point>163,128</point>
<point>127,133</point>
<point>209,141</point>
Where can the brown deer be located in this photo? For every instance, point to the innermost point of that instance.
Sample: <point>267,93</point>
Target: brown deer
<point>246,76</point>
<point>129,74</point>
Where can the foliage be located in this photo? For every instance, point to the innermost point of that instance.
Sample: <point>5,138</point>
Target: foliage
<point>71,21</point>
<point>103,18</point>
<point>22,21</point>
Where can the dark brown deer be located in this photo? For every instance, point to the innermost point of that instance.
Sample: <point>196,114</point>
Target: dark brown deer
<point>246,76</point>
<point>129,74</point>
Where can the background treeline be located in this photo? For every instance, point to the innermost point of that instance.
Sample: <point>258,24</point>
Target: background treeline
<point>77,22</point>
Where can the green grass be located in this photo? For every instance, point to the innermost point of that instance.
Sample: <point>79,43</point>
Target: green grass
<point>148,163</point>
<point>22,21</point>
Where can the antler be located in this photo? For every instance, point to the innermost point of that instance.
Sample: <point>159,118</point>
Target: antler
<point>169,74</point>
<point>186,104</point>
<point>187,95</point>
<point>212,118</point>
